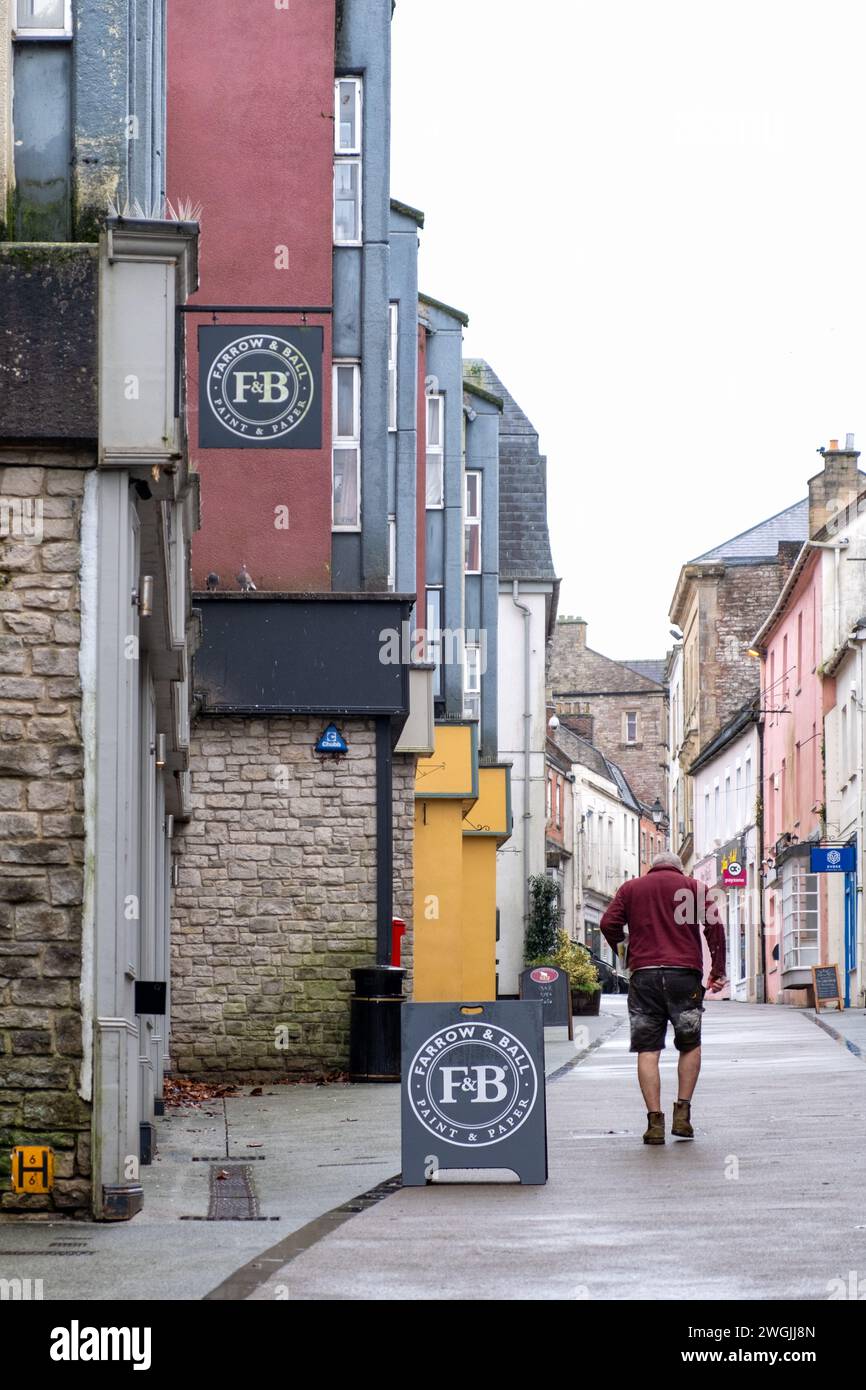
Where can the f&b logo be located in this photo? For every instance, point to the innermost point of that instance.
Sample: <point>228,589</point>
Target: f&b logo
<point>260,388</point>
<point>472,1085</point>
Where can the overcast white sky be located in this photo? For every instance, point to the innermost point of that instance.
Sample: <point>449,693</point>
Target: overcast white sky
<point>653,215</point>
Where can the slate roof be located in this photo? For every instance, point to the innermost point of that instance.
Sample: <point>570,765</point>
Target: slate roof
<point>761,542</point>
<point>625,790</point>
<point>746,715</point>
<point>580,750</point>
<point>652,670</point>
<point>524,540</point>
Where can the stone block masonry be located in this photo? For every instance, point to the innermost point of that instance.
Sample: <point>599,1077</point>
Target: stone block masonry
<point>277,895</point>
<point>41,822</point>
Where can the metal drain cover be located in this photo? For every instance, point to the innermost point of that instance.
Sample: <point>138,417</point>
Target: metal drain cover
<point>231,1195</point>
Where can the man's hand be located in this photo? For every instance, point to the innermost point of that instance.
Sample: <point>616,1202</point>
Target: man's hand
<point>716,982</point>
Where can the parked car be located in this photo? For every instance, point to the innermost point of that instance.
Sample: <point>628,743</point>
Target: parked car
<point>610,980</point>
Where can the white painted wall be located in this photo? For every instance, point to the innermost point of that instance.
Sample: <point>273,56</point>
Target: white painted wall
<point>726,791</point>
<point>606,843</point>
<point>513,867</point>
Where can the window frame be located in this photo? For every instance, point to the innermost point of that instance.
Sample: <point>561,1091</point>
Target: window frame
<point>626,716</point>
<point>433,645</point>
<point>393,340</point>
<point>345,442</point>
<point>438,450</point>
<point>357,147</point>
<point>359,239</point>
<point>392,553</point>
<point>23,34</point>
<point>471,521</point>
<point>471,693</point>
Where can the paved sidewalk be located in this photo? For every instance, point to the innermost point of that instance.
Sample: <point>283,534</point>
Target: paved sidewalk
<point>310,1149</point>
<point>847,1026</point>
<point>766,1204</point>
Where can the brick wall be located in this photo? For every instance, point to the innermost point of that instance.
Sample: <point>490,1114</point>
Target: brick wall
<point>42,840</point>
<point>277,895</point>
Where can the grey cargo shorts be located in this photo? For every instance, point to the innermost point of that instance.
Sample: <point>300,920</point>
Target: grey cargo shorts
<point>661,995</point>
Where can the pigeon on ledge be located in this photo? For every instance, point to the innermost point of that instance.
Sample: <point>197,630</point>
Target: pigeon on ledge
<point>245,579</point>
<point>212,581</point>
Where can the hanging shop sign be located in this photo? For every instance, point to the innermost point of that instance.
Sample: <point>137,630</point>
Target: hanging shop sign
<point>473,1089</point>
<point>732,865</point>
<point>833,859</point>
<point>260,387</point>
<point>553,987</point>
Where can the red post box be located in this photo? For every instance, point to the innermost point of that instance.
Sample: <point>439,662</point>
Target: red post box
<point>398,931</point>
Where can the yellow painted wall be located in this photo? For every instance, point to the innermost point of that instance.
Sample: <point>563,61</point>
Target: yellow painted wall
<point>461,815</point>
<point>438,900</point>
<point>478,935</point>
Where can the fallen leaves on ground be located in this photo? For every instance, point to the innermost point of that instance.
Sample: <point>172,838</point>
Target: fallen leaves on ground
<point>177,1090</point>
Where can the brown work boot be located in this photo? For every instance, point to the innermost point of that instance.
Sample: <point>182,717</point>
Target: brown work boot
<point>682,1125</point>
<point>655,1129</point>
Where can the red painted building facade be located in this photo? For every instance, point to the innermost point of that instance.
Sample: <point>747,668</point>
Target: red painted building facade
<point>251,139</point>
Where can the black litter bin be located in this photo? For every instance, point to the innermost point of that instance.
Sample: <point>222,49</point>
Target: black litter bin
<point>374,1037</point>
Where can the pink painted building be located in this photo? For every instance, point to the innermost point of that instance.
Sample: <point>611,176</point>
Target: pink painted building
<point>796,695</point>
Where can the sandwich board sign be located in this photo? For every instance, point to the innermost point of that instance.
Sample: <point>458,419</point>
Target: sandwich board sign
<point>826,987</point>
<point>473,1089</point>
<point>553,987</point>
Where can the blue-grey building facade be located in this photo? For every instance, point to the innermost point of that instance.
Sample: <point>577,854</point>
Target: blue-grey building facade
<point>82,96</point>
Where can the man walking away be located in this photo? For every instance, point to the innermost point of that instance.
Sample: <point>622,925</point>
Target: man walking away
<point>664,912</point>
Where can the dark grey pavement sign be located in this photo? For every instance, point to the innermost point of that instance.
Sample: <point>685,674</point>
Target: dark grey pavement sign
<point>553,988</point>
<point>473,1089</point>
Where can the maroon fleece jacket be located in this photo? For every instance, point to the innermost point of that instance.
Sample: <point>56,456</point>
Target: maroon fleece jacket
<point>665,911</point>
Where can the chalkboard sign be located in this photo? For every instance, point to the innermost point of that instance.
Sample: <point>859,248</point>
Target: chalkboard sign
<point>473,1089</point>
<point>553,987</point>
<point>825,986</point>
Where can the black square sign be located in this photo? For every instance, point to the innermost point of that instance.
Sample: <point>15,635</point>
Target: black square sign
<point>260,387</point>
<point>473,1089</point>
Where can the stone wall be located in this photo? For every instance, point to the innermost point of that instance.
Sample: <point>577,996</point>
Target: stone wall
<point>41,804</point>
<point>590,690</point>
<point>277,895</point>
<point>732,611</point>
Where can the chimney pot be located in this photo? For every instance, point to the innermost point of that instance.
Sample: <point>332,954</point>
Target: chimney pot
<point>834,444</point>
<point>849,441</point>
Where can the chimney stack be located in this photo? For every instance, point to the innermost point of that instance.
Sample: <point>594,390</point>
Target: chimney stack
<point>837,486</point>
<point>578,635</point>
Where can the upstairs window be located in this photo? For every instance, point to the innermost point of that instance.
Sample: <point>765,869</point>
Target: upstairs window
<point>40,206</point>
<point>393,319</point>
<point>472,524</point>
<point>435,450</point>
<point>348,136</point>
<point>630,726</point>
<point>392,553</point>
<point>471,681</point>
<point>434,637</point>
<point>44,19</point>
<point>346,473</point>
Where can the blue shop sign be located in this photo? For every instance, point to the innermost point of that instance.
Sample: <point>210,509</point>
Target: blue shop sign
<point>833,859</point>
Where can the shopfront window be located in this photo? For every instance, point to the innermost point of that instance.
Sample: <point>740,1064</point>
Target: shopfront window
<point>799,917</point>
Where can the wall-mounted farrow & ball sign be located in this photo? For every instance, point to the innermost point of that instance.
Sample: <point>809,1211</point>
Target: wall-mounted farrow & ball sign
<point>260,387</point>
<point>473,1089</point>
